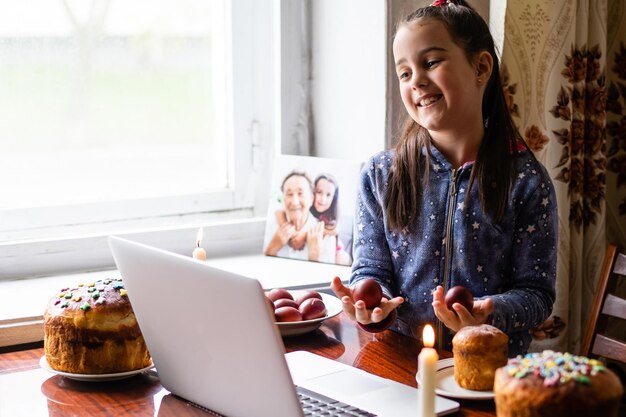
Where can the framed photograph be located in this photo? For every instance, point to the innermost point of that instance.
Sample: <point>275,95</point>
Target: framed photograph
<point>311,209</point>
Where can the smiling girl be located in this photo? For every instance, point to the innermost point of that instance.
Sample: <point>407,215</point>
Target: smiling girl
<point>460,201</point>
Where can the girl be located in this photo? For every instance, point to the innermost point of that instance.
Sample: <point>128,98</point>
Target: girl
<point>461,200</point>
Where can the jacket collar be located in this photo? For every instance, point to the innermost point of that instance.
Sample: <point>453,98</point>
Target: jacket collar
<point>439,163</point>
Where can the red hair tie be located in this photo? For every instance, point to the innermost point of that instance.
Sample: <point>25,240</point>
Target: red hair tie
<point>440,3</point>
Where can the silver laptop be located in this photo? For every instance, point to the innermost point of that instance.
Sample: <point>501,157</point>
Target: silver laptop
<point>214,343</point>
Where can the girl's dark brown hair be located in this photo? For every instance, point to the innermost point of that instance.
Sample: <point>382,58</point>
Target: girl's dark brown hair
<point>493,168</point>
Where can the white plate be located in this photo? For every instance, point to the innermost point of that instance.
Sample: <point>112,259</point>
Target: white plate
<point>92,377</point>
<point>446,385</point>
<point>293,328</point>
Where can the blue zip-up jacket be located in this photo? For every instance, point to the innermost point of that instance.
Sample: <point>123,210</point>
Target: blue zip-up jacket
<point>513,261</point>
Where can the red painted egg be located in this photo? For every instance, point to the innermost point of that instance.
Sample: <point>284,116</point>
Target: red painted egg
<point>278,293</point>
<point>312,308</point>
<point>308,294</point>
<point>284,314</point>
<point>461,295</point>
<point>285,302</point>
<point>369,291</point>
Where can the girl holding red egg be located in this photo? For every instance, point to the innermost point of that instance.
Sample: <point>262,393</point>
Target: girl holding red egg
<point>460,201</point>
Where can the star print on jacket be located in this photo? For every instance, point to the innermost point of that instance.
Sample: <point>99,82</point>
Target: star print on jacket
<point>513,261</point>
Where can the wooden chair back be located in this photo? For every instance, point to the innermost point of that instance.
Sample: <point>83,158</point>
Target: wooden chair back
<point>606,304</point>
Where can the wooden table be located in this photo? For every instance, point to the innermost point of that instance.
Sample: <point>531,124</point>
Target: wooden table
<point>29,391</point>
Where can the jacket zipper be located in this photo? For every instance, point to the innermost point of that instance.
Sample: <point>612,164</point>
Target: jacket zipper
<point>448,251</point>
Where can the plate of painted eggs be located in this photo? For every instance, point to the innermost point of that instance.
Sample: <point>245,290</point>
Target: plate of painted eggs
<point>301,311</point>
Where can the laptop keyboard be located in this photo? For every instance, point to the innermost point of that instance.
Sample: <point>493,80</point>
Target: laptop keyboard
<point>314,404</point>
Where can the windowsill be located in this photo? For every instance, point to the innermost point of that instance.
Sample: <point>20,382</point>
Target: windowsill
<point>22,302</point>
<point>79,248</point>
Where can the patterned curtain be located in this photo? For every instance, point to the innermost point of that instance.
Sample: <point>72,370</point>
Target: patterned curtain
<point>564,66</point>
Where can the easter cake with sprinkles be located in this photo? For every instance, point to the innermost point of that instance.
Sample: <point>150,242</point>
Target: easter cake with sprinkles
<point>548,383</point>
<point>91,329</point>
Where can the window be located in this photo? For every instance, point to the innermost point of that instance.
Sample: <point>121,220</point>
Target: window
<point>129,115</point>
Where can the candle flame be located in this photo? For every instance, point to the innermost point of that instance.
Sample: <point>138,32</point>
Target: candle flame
<point>199,236</point>
<point>428,336</point>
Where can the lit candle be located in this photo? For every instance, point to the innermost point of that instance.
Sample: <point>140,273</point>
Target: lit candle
<point>426,364</point>
<point>199,253</point>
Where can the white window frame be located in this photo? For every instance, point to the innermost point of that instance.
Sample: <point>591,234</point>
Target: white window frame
<point>230,215</point>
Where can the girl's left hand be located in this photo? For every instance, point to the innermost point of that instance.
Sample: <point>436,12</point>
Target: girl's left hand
<point>357,311</point>
<point>460,317</point>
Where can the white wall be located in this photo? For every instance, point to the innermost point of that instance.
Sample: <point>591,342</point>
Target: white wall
<point>349,70</point>
<point>348,77</point>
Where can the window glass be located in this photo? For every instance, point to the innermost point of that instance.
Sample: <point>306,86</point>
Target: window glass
<point>111,100</point>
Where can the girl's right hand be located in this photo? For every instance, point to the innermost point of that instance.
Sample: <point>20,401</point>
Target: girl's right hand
<point>357,311</point>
